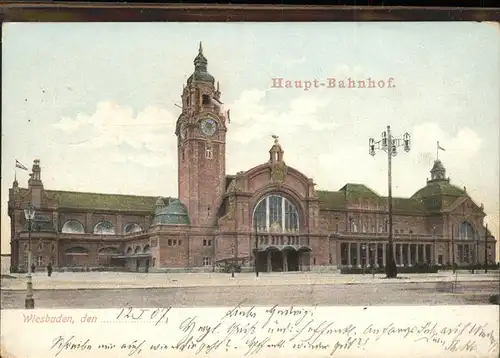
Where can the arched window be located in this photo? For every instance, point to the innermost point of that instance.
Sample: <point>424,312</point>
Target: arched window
<point>137,250</point>
<point>73,227</point>
<point>145,250</point>
<point>466,231</point>
<point>104,228</point>
<point>275,213</point>
<point>130,228</point>
<point>129,251</point>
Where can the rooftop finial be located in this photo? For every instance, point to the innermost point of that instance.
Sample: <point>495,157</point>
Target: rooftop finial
<point>275,137</point>
<point>200,50</point>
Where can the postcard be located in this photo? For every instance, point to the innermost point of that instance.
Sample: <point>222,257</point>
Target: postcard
<point>242,189</point>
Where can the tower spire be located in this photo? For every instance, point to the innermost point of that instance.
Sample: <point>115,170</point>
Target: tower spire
<point>200,49</point>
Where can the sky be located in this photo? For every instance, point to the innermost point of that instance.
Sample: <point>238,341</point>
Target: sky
<point>96,102</point>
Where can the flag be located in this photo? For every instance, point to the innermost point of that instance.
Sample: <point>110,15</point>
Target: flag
<point>20,166</point>
<point>440,148</point>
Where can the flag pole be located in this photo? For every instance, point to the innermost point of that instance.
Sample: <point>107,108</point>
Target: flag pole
<point>437,151</point>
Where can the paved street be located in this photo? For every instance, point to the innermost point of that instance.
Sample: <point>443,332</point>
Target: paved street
<point>404,293</point>
<point>123,280</point>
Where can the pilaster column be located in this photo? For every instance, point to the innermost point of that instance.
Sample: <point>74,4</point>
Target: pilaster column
<point>376,255</point>
<point>358,254</point>
<point>401,258</point>
<point>338,253</point>
<point>425,253</point>
<point>384,248</point>
<point>409,254</point>
<point>285,261</point>
<point>269,268</point>
<point>349,254</point>
<point>367,258</point>
<point>417,247</point>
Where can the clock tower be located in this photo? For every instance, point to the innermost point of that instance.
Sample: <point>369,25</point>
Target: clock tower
<point>201,146</point>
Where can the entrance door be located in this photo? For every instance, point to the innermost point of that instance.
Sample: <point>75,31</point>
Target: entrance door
<point>292,257</point>
<point>276,261</point>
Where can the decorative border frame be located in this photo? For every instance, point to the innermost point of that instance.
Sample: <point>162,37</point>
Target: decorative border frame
<point>19,11</point>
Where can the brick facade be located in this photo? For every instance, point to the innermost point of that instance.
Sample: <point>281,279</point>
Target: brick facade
<point>270,215</point>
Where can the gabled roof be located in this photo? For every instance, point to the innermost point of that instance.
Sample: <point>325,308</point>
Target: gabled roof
<point>99,201</point>
<point>352,193</point>
<point>358,190</point>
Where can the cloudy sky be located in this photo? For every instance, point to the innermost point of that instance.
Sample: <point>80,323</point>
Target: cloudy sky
<point>96,102</point>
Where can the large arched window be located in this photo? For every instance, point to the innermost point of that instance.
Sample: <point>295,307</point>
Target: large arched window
<point>275,213</point>
<point>130,228</point>
<point>104,228</point>
<point>466,231</point>
<point>73,227</point>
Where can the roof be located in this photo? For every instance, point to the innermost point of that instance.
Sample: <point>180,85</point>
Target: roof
<point>81,200</point>
<point>439,194</point>
<point>351,193</point>
<point>439,187</point>
<point>106,201</point>
<point>358,190</point>
<point>174,214</point>
<point>99,201</point>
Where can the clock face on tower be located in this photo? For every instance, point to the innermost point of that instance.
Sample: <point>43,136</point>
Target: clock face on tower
<point>208,126</point>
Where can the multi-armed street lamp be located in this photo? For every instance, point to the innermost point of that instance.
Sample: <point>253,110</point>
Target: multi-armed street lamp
<point>29,302</point>
<point>389,144</point>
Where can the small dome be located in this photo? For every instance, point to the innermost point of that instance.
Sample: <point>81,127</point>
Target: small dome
<point>200,69</point>
<point>439,188</point>
<point>437,195</point>
<point>174,214</point>
<point>438,165</point>
<point>201,77</point>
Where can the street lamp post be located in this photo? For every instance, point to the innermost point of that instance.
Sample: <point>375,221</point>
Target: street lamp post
<point>486,249</point>
<point>29,302</point>
<point>389,144</point>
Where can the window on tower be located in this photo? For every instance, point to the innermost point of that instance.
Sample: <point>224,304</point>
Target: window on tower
<point>209,153</point>
<point>206,99</point>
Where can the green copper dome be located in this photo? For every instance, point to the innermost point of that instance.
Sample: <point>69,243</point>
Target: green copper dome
<point>173,214</point>
<point>200,69</point>
<point>439,188</point>
<point>438,194</point>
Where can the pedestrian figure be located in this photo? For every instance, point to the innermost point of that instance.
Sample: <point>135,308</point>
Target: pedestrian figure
<point>33,268</point>
<point>49,269</point>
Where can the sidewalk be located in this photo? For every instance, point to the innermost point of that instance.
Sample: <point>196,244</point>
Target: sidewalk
<point>108,280</point>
